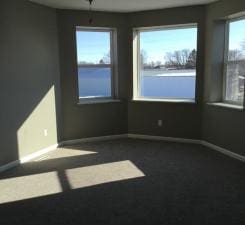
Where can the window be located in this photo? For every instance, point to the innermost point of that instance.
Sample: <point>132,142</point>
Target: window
<point>95,59</point>
<point>165,63</point>
<point>234,71</point>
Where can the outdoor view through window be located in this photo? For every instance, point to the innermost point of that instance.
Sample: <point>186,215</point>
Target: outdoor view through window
<point>94,63</point>
<point>235,62</point>
<point>167,62</point>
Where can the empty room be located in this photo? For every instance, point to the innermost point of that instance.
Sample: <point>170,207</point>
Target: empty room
<point>124,112</point>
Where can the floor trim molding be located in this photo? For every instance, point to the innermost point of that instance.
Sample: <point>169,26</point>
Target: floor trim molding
<point>92,139</point>
<point>190,141</point>
<point>9,165</point>
<point>223,150</point>
<point>120,136</point>
<point>28,158</point>
<point>161,138</point>
<point>38,153</point>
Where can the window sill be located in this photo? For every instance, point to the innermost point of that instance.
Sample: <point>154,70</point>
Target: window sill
<point>227,105</point>
<point>185,101</point>
<point>97,101</point>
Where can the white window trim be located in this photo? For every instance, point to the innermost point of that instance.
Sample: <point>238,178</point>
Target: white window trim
<point>113,65</point>
<point>136,64</point>
<point>226,62</point>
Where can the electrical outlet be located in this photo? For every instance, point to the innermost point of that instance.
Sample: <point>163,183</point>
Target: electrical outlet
<point>159,123</point>
<point>45,132</point>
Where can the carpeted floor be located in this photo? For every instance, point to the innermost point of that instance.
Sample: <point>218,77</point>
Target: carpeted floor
<point>124,182</point>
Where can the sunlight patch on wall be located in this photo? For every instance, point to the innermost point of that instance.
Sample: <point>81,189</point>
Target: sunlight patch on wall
<point>103,173</point>
<point>39,130</point>
<point>27,187</point>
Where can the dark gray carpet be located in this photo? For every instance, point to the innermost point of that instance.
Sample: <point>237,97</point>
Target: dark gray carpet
<point>183,185</point>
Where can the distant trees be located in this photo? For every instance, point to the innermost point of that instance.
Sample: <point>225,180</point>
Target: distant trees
<point>82,62</point>
<point>192,59</point>
<point>237,54</point>
<point>106,59</point>
<point>145,64</point>
<point>181,59</point>
<point>234,55</point>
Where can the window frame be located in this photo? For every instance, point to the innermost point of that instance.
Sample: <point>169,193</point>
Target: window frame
<point>136,63</point>
<point>112,66</point>
<point>227,61</point>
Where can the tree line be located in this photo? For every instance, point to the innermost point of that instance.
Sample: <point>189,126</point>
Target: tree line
<point>181,59</point>
<point>185,58</point>
<point>106,59</point>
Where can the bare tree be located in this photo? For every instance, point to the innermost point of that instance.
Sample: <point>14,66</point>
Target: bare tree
<point>152,64</point>
<point>234,55</point>
<point>185,53</point>
<point>106,59</point>
<point>177,59</point>
<point>243,48</point>
<point>158,63</point>
<point>191,62</point>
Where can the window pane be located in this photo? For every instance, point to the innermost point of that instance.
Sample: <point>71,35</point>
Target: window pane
<point>235,69</point>
<point>94,69</point>
<point>94,82</point>
<point>237,40</point>
<point>168,63</point>
<point>93,47</point>
<point>235,80</point>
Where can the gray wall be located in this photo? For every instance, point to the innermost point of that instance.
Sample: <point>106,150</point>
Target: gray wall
<point>179,119</point>
<point>29,78</point>
<point>34,94</point>
<point>80,121</point>
<point>221,126</point>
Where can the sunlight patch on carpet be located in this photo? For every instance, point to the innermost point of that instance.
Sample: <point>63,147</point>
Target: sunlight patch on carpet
<point>103,173</point>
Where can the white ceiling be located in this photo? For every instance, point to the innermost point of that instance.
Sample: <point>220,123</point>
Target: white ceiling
<point>120,5</point>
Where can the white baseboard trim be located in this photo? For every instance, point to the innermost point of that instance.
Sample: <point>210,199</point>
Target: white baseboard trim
<point>223,150</point>
<point>38,153</point>
<point>92,139</point>
<point>190,141</point>
<point>161,138</point>
<point>9,165</point>
<point>120,136</point>
<point>28,158</point>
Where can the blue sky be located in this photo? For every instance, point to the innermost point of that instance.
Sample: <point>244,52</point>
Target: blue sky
<point>92,45</point>
<point>237,34</point>
<point>158,43</point>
